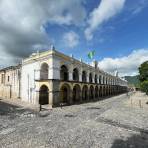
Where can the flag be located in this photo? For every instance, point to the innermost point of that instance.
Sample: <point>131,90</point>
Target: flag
<point>91,54</point>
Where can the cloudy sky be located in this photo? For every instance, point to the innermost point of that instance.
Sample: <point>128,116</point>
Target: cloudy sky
<point>116,29</point>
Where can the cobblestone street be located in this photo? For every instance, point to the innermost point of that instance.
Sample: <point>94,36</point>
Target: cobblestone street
<point>109,123</point>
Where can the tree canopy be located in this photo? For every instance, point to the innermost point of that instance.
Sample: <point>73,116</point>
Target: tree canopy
<point>143,71</point>
<point>143,76</point>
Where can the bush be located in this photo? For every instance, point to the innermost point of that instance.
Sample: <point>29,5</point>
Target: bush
<point>144,86</point>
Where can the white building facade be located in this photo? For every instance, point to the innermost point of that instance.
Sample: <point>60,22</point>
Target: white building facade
<point>53,78</point>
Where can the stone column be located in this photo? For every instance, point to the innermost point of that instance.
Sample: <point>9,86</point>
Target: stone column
<point>101,79</point>
<point>54,68</point>
<point>98,80</point>
<point>37,100</point>
<point>99,91</point>
<point>80,76</point>
<point>71,73</point>
<point>87,77</point>
<point>93,77</point>
<point>51,96</point>
<point>54,93</point>
<point>70,76</point>
<point>104,80</point>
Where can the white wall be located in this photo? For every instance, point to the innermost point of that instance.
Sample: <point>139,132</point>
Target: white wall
<point>54,68</point>
<point>30,72</point>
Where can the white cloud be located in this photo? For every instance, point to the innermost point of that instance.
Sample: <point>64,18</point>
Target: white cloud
<point>106,10</point>
<point>22,23</point>
<point>71,39</point>
<point>127,65</point>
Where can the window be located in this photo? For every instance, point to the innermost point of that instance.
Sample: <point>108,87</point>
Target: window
<point>90,78</point>
<point>75,75</point>
<point>8,78</point>
<point>44,71</point>
<point>64,73</point>
<point>99,79</point>
<point>96,79</point>
<point>84,79</point>
<point>2,78</point>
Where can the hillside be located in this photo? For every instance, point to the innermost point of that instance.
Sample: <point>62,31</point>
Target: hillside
<point>132,80</point>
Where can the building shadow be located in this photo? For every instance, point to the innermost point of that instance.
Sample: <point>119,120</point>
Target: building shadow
<point>135,141</point>
<point>13,111</point>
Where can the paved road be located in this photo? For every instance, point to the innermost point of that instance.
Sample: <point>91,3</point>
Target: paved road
<point>106,124</point>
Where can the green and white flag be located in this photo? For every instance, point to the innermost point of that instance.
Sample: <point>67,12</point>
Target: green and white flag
<point>91,54</point>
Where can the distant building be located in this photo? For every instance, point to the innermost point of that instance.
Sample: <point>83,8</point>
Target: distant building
<point>10,82</point>
<point>52,78</point>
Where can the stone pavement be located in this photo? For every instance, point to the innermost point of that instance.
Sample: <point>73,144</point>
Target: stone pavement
<point>109,123</point>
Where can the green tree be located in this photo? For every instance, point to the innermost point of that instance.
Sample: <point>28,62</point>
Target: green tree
<point>144,86</point>
<point>143,71</point>
<point>143,76</point>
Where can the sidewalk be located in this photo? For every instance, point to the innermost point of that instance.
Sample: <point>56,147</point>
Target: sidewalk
<point>138,100</point>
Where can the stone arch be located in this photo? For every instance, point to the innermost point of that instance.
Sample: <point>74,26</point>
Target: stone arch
<point>104,91</point>
<point>114,90</point>
<point>96,92</point>
<point>84,93</point>
<point>75,74</point>
<point>107,90</point>
<point>91,92</point>
<point>76,93</point>
<point>64,73</point>
<point>100,91</point>
<point>44,71</point>
<point>64,93</point>
<point>90,77</point>
<point>44,95</point>
<point>84,76</point>
<point>110,90</point>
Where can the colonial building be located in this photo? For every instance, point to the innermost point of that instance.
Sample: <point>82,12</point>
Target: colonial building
<point>10,79</point>
<point>52,78</point>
